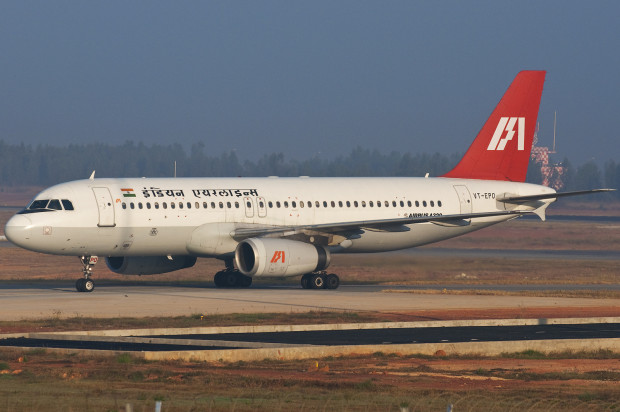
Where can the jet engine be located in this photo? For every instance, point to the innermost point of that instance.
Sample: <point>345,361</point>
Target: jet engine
<point>279,257</point>
<point>148,265</point>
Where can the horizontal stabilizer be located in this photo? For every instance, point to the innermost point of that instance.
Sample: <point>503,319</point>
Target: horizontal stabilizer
<point>524,199</point>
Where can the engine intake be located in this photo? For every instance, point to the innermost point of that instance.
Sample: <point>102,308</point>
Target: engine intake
<point>279,257</point>
<point>148,265</point>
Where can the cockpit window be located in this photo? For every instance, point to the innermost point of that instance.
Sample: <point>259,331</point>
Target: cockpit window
<point>67,204</point>
<point>47,205</point>
<point>54,204</point>
<point>38,204</point>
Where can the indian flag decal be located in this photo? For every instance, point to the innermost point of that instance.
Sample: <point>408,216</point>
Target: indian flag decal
<point>128,193</point>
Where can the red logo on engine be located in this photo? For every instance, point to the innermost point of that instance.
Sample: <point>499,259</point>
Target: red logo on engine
<point>279,254</point>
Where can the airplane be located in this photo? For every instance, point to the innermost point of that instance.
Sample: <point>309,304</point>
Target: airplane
<point>285,227</point>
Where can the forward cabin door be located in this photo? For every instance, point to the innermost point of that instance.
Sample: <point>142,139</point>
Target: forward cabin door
<point>464,199</point>
<point>105,206</point>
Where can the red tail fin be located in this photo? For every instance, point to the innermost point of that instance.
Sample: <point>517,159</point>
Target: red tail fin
<point>501,151</point>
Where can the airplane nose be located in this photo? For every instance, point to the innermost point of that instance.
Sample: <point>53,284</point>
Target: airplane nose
<point>18,229</point>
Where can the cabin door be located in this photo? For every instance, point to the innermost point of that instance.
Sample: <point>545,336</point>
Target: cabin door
<point>105,206</point>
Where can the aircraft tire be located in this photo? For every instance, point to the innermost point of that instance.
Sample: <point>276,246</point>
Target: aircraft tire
<point>79,285</point>
<point>89,285</point>
<point>230,279</point>
<point>305,281</point>
<point>243,281</point>
<point>318,282</point>
<point>217,279</point>
<point>332,281</point>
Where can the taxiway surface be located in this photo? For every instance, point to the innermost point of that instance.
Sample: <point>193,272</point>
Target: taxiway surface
<point>50,299</point>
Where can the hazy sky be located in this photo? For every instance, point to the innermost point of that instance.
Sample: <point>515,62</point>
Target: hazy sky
<point>305,77</point>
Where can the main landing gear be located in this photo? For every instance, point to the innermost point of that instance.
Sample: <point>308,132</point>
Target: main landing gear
<point>231,278</point>
<point>320,280</point>
<point>86,284</point>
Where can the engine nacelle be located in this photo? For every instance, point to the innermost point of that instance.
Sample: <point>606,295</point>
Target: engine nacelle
<point>148,265</point>
<point>279,257</point>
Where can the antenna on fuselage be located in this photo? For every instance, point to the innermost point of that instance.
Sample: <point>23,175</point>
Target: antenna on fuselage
<point>92,176</point>
<point>175,168</point>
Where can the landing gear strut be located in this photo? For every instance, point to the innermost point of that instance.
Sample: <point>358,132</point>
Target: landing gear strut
<point>86,284</point>
<point>231,278</point>
<point>320,280</point>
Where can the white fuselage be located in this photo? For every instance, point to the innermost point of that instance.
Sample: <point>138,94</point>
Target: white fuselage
<point>195,216</point>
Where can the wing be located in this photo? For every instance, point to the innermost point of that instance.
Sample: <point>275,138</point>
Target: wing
<point>391,225</point>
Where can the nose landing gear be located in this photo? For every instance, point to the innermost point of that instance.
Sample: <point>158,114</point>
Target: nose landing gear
<point>86,284</point>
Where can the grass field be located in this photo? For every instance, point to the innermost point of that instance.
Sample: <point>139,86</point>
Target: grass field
<point>38,380</point>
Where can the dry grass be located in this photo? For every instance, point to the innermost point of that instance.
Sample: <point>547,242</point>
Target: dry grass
<point>52,382</point>
<point>594,294</point>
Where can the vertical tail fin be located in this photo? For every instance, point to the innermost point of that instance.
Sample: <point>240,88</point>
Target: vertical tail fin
<point>501,151</point>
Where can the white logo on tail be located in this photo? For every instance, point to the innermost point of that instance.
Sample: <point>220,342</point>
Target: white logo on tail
<point>507,124</point>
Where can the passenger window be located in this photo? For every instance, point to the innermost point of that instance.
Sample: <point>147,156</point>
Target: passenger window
<point>212,205</point>
<point>124,205</point>
<point>172,205</point>
<point>301,204</point>
<point>293,204</point>
<point>387,204</point>
<point>248,205</point>
<point>205,205</point>
<point>165,205</point>
<point>132,206</point>
<point>222,205</point>
<point>237,205</point>
<point>229,205</point>
<point>285,204</point>
<point>394,203</point>
<point>189,205</point>
<point>439,203</point>
<point>371,204</point>
<point>348,204</point>
<point>324,203</point>
<point>340,203</point>
<point>67,204</point>
<point>261,204</point>
<point>278,204</point>
<point>317,204</point>
<point>378,203</point>
<point>148,205</point>
<point>310,203</point>
<point>402,204</point>
<point>363,203</point>
<point>180,205</point>
<point>197,205</point>
<point>156,205</point>
<point>54,204</point>
<point>355,203</point>
<point>432,204</point>
<point>270,203</point>
<point>140,205</point>
<point>417,204</point>
<point>409,203</point>
<point>424,203</point>
<point>333,204</point>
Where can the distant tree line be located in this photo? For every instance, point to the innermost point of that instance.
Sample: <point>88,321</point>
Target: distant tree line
<point>45,165</point>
